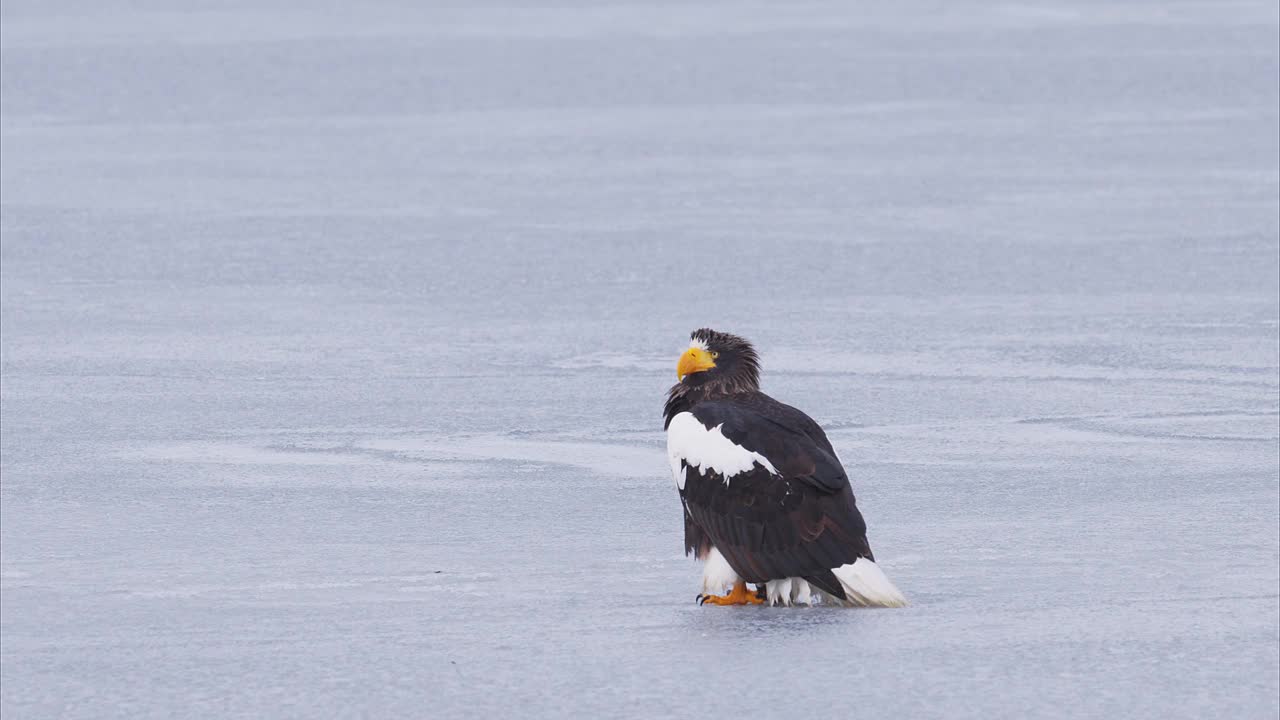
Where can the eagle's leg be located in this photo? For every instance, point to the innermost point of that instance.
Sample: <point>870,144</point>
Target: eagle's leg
<point>739,595</point>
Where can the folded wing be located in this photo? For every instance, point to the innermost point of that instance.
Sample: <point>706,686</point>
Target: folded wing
<point>763,484</point>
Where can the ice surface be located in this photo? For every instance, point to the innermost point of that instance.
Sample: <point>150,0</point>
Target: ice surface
<point>335,342</point>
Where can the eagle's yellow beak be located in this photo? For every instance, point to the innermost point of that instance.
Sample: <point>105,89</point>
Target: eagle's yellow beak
<point>694,360</point>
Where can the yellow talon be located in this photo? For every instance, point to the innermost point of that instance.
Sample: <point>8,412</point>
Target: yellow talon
<point>739,595</point>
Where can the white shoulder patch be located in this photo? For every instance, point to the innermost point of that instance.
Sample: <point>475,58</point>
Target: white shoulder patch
<point>678,471</point>
<point>691,443</point>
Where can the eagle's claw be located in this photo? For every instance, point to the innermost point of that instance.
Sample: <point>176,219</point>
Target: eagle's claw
<point>739,595</point>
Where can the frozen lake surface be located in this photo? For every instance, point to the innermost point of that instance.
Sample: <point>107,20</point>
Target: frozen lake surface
<point>335,343</point>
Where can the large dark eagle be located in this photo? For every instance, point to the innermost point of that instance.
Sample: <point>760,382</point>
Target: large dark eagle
<point>766,500</point>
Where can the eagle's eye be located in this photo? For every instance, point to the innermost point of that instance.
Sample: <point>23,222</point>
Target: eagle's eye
<point>714,354</point>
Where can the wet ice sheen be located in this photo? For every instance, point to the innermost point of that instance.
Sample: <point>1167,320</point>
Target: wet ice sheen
<point>335,343</point>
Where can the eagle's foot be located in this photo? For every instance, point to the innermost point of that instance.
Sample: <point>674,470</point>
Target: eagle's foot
<point>739,595</point>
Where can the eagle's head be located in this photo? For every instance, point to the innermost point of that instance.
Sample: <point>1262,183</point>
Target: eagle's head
<point>719,361</point>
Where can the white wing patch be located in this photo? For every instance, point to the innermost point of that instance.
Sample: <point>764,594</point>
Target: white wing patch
<point>690,442</point>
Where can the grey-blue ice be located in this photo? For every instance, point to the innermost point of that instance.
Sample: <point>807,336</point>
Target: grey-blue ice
<point>335,338</point>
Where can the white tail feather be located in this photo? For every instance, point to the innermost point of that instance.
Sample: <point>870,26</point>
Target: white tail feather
<point>865,585</point>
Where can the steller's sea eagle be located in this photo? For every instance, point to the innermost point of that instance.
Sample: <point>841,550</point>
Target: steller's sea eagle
<point>765,498</point>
